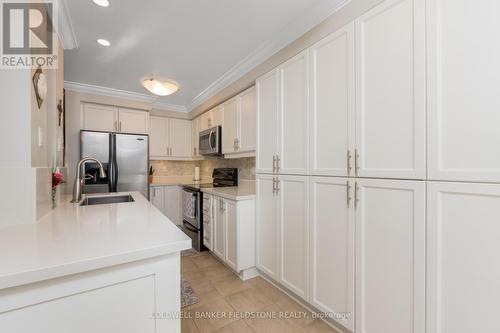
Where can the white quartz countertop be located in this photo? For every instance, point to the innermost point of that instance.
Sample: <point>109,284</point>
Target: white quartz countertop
<point>244,191</point>
<point>74,239</point>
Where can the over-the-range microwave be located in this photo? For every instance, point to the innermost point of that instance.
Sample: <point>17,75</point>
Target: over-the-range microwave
<point>210,143</point>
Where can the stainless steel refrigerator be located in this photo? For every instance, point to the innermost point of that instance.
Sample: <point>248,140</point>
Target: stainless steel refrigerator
<point>125,158</point>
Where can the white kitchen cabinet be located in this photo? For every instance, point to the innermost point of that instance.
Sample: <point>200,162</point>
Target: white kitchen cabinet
<point>283,118</point>
<point>267,228</point>
<point>462,257</point>
<point>267,122</point>
<point>157,197</point>
<point>247,121</point>
<point>230,125</point>
<point>293,196</point>
<point>168,200</point>
<point>332,104</point>
<point>463,98</point>
<point>231,233</point>
<point>180,138</point>
<point>234,234</point>
<point>211,118</point>
<point>293,115</point>
<point>332,247</point>
<point>390,91</point>
<point>97,117</point>
<point>159,137</point>
<point>390,256</point>
<point>207,220</point>
<point>133,121</point>
<point>219,229</point>
<point>195,141</point>
<point>170,138</point>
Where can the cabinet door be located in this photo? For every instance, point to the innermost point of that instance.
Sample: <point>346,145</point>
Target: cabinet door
<point>219,244</point>
<point>133,121</point>
<point>464,101</point>
<point>267,125</point>
<point>99,118</point>
<point>195,123</point>
<point>205,120</point>
<point>231,227</point>
<point>294,233</point>
<point>158,138</point>
<point>267,226</point>
<point>247,121</point>
<point>216,116</point>
<point>158,197</point>
<point>463,274</point>
<point>180,138</point>
<point>173,204</point>
<point>390,102</point>
<point>332,245</point>
<point>332,104</point>
<point>229,126</point>
<point>293,137</point>
<point>390,256</point>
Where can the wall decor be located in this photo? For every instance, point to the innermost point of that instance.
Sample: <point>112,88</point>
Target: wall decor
<point>40,86</point>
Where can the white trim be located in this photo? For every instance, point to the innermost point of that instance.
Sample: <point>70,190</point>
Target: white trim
<point>287,35</point>
<point>169,107</point>
<point>65,28</point>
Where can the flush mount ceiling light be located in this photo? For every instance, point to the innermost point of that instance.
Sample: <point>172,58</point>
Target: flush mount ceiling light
<point>160,87</point>
<point>102,3</point>
<point>103,42</point>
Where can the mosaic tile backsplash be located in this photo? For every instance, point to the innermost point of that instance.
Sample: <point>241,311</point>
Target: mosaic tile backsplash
<point>246,167</point>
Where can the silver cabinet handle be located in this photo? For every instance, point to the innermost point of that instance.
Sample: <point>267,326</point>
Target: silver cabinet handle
<point>154,192</point>
<point>348,194</point>
<point>277,185</point>
<point>120,126</point>
<point>274,163</point>
<point>356,195</point>
<point>356,161</point>
<point>349,167</point>
<point>274,186</point>
<point>278,163</point>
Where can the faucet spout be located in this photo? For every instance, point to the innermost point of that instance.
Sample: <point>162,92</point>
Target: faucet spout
<point>77,187</point>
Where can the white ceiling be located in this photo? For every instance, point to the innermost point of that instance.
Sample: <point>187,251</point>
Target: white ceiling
<point>201,44</point>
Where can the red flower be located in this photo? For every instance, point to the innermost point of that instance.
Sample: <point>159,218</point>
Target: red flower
<point>57,178</point>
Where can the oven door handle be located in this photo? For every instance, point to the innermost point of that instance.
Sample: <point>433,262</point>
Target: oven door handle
<point>185,224</point>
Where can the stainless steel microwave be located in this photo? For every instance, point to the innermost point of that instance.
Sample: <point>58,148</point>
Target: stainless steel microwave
<point>211,142</point>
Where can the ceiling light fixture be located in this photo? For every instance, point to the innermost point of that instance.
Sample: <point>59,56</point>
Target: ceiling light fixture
<point>160,87</point>
<point>102,3</point>
<point>104,42</point>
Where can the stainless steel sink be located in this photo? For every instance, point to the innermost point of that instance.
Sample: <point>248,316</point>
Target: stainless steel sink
<point>90,201</point>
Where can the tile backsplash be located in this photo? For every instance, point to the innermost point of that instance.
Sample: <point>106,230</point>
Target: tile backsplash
<point>246,167</point>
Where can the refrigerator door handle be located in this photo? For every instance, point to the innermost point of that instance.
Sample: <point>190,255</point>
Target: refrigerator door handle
<point>113,168</point>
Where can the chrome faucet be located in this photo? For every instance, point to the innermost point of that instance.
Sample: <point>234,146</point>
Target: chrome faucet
<point>77,187</point>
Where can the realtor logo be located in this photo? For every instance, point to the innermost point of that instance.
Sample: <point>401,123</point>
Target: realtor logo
<point>28,35</point>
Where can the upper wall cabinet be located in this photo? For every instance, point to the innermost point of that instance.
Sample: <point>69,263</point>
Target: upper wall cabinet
<point>105,118</point>
<point>170,138</point>
<point>211,118</point>
<point>332,104</point>
<point>390,90</point>
<point>283,118</point>
<point>463,98</point>
<point>238,124</point>
<point>195,140</point>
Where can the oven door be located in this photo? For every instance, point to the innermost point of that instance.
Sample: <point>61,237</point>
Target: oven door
<point>210,141</point>
<point>190,207</point>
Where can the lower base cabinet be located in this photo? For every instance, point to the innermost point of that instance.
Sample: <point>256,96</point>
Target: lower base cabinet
<point>463,288</point>
<point>168,200</point>
<point>234,232</point>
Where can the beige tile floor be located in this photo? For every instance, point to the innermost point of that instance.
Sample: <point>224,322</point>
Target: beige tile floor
<point>224,298</point>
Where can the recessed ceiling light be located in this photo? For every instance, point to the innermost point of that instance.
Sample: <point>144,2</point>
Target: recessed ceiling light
<point>160,87</point>
<point>104,42</point>
<point>102,3</point>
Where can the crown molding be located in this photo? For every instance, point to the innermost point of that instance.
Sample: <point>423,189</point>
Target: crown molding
<point>291,32</point>
<point>117,93</point>
<point>65,27</point>
<point>169,107</point>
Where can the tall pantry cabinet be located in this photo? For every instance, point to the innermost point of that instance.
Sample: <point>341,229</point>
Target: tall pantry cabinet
<point>359,143</point>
